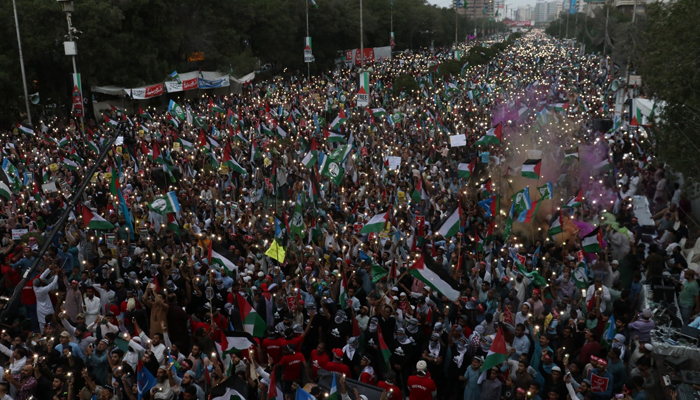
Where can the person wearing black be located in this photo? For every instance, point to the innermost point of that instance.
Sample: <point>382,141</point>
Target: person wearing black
<point>339,329</point>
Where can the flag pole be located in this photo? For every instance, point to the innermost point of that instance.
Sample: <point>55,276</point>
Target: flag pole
<point>21,64</point>
<point>308,65</point>
<point>362,38</point>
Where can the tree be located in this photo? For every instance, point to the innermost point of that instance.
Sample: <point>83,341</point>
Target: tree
<point>669,66</point>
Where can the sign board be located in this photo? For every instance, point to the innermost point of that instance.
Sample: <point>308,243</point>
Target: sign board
<point>308,55</point>
<point>363,90</point>
<point>147,92</point>
<point>458,141</point>
<point>519,23</point>
<point>394,162</point>
<point>370,54</point>
<point>17,233</point>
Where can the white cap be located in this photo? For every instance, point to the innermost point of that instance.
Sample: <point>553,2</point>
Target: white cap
<point>422,365</point>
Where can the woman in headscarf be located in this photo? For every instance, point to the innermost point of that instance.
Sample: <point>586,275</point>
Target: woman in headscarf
<point>474,342</point>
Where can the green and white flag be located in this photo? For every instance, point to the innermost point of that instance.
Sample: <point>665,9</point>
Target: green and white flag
<point>546,191</point>
<point>176,111</point>
<point>229,266</point>
<point>297,224</point>
<point>555,225</point>
<point>165,204</point>
<point>451,225</point>
<point>378,112</point>
<point>70,164</point>
<point>573,153</point>
<point>332,165</point>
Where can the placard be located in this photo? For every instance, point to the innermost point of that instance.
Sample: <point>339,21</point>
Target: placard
<point>110,239</point>
<point>292,304</point>
<point>143,233</point>
<point>394,162</point>
<point>49,187</point>
<point>53,167</point>
<point>17,233</point>
<point>458,141</point>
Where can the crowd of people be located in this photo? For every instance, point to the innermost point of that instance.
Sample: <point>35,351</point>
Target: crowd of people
<point>254,243</point>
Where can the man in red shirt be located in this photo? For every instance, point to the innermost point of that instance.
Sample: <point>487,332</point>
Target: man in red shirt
<point>319,359</point>
<point>590,348</point>
<point>367,375</point>
<point>337,364</point>
<point>293,363</point>
<point>420,386</point>
<point>393,391</point>
<point>272,346</point>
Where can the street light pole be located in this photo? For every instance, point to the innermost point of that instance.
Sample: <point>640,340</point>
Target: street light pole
<point>362,38</point>
<point>456,21</point>
<point>21,63</point>
<point>308,65</point>
<point>68,9</point>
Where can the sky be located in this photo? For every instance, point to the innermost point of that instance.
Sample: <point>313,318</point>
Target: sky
<point>513,3</point>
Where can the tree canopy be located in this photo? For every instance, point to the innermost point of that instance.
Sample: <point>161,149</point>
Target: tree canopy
<point>136,42</point>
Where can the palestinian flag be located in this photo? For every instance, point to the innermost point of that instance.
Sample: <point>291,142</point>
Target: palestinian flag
<point>70,164</point>
<point>555,225</point>
<point>436,278</point>
<point>229,394</point>
<point>452,224</point>
<point>252,322</point>
<point>64,141</point>
<point>493,136</point>
<point>187,145</point>
<point>378,112</point>
<point>172,121</point>
<point>593,242</point>
<point>172,224</point>
<point>419,193</point>
<point>561,107</point>
<point>117,109</point>
<point>532,211</point>
<point>310,159</point>
<point>333,137</point>
<point>605,164</point>
<point>497,353</point>
<point>24,129</point>
<point>313,189</point>
<point>465,171</point>
<point>145,114</point>
<point>221,260</point>
<point>266,130</point>
<point>232,164</point>
<point>111,122</point>
<point>377,223</point>
<point>383,348</point>
<point>93,221</point>
<point>571,153</point>
<point>215,108</point>
<point>576,201</point>
<point>339,120</point>
<point>486,188</point>
<point>254,151</point>
<point>92,146</point>
<point>531,169</point>
<point>5,191</point>
<point>343,295</point>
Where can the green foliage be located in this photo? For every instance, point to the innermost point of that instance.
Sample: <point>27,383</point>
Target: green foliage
<point>453,67</point>
<point>668,64</point>
<point>514,36</point>
<point>136,42</point>
<point>405,83</point>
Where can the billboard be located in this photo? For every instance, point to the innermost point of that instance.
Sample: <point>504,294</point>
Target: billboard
<point>370,54</point>
<point>519,23</point>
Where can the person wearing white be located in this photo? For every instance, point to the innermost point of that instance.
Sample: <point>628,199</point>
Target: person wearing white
<point>92,305</point>
<point>44,306</point>
<point>18,357</point>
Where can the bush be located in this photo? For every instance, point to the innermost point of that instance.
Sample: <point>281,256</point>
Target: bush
<point>404,83</point>
<point>453,67</point>
<point>514,36</point>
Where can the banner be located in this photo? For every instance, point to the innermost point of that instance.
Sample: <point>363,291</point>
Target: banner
<point>187,84</point>
<point>519,23</point>
<point>147,92</point>
<point>573,9</point>
<point>213,84</point>
<point>308,55</point>
<point>363,91</point>
<point>77,96</point>
<point>370,54</point>
<point>392,42</point>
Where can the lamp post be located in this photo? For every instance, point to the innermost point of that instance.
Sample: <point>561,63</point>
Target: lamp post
<point>21,63</point>
<point>71,49</point>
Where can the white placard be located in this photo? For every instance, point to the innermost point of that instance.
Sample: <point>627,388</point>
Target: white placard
<point>49,187</point>
<point>17,233</point>
<point>394,162</point>
<point>458,140</point>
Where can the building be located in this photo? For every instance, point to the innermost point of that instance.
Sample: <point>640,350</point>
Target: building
<point>524,13</point>
<point>546,11</point>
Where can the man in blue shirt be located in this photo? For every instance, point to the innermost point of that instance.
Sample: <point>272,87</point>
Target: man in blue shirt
<point>65,340</point>
<point>25,262</point>
<point>601,390</point>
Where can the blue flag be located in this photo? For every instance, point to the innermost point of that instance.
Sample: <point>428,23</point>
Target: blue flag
<point>304,395</point>
<point>145,380</point>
